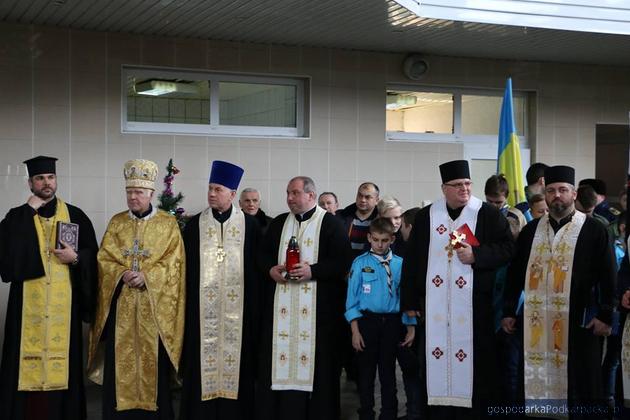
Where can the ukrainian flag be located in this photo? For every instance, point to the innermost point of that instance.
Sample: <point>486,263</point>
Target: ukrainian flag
<point>509,156</point>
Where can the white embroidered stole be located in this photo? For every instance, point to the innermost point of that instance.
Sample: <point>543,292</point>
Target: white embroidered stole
<point>293,363</point>
<point>449,311</point>
<point>546,311</point>
<point>221,290</point>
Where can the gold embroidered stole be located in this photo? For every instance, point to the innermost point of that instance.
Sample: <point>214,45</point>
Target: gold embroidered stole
<point>293,362</point>
<point>546,310</point>
<point>221,291</point>
<point>449,310</point>
<point>143,316</point>
<point>46,313</point>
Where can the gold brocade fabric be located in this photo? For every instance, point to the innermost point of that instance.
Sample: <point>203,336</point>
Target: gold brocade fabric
<point>546,310</point>
<point>46,313</point>
<point>221,290</point>
<point>143,316</point>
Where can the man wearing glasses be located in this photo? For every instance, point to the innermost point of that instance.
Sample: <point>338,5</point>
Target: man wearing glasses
<point>454,249</point>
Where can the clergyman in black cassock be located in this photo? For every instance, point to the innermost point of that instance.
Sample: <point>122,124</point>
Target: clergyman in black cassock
<point>223,396</point>
<point>333,261</point>
<point>494,250</point>
<point>591,273</point>
<point>20,262</point>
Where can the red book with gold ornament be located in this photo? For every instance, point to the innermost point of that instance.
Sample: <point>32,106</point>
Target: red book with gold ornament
<point>463,234</point>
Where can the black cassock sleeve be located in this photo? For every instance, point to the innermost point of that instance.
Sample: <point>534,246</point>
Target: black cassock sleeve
<point>19,249</point>
<point>84,274</point>
<point>337,258</point>
<point>604,271</point>
<point>496,246</point>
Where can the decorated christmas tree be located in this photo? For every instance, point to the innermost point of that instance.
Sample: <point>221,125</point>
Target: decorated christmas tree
<point>167,200</point>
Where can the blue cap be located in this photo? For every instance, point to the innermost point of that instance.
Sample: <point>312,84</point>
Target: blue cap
<point>226,174</point>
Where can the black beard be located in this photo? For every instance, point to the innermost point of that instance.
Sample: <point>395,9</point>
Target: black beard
<point>44,196</point>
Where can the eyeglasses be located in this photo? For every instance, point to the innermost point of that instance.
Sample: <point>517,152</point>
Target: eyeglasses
<point>460,185</point>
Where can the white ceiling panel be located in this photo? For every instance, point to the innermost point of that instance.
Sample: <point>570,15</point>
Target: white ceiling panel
<point>372,25</point>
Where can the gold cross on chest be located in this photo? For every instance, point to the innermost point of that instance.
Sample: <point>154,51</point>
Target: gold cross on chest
<point>563,247</point>
<point>232,295</point>
<point>230,360</point>
<point>308,242</point>
<point>220,254</point>
<point>558,302</point>
<point>211,232</point>
<point>135,252</point>
<point>306,288</point>
<point>234,231</point>
<point>557,360</point>
<point>540,248</point>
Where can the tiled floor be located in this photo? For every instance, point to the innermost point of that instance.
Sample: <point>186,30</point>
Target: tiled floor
<point>349,400</point>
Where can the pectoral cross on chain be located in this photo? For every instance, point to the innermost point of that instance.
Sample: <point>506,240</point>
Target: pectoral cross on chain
<point>220,254</point>
<point>136,253</point>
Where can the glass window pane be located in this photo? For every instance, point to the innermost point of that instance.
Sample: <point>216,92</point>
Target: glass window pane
<point>257,104</point>
<point>419,112</point>
<point>480,114</point>
<point>168,100</point>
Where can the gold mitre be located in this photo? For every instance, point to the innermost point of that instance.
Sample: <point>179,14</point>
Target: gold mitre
<point>140,173</point>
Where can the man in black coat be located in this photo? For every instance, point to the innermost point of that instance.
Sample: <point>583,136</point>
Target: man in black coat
<point>222,309</point>
<point>448,273</point>
<point>49,286</point>
<point>300,350</point>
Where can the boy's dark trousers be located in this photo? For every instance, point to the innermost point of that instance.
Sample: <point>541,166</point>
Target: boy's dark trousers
<point>381,333</point>
<point>410,367</point>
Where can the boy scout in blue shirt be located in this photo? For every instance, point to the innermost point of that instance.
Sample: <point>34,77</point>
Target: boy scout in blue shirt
<point>373,310</point>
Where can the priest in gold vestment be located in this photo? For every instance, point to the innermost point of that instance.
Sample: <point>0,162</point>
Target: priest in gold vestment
<point>136,339</point>
<point>52,290</point>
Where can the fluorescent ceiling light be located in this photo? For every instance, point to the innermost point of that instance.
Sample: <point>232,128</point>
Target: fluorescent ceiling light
<point>397,101</point>
<point>161,87</point>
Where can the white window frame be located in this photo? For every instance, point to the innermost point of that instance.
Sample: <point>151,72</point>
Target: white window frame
<point>457,136</point>
<point>214,128</point>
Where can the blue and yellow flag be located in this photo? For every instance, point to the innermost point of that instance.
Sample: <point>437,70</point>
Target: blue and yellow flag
<point>509,156</point>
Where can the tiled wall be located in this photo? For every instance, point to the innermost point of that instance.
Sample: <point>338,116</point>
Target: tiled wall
<point>61,95</point>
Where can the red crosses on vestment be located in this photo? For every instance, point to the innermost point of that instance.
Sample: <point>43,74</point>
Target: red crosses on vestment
<point>441,229</point>
<point>460,282</point>
<point>460,355</point>
<point>437,280</point>
<point>437,353</point>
